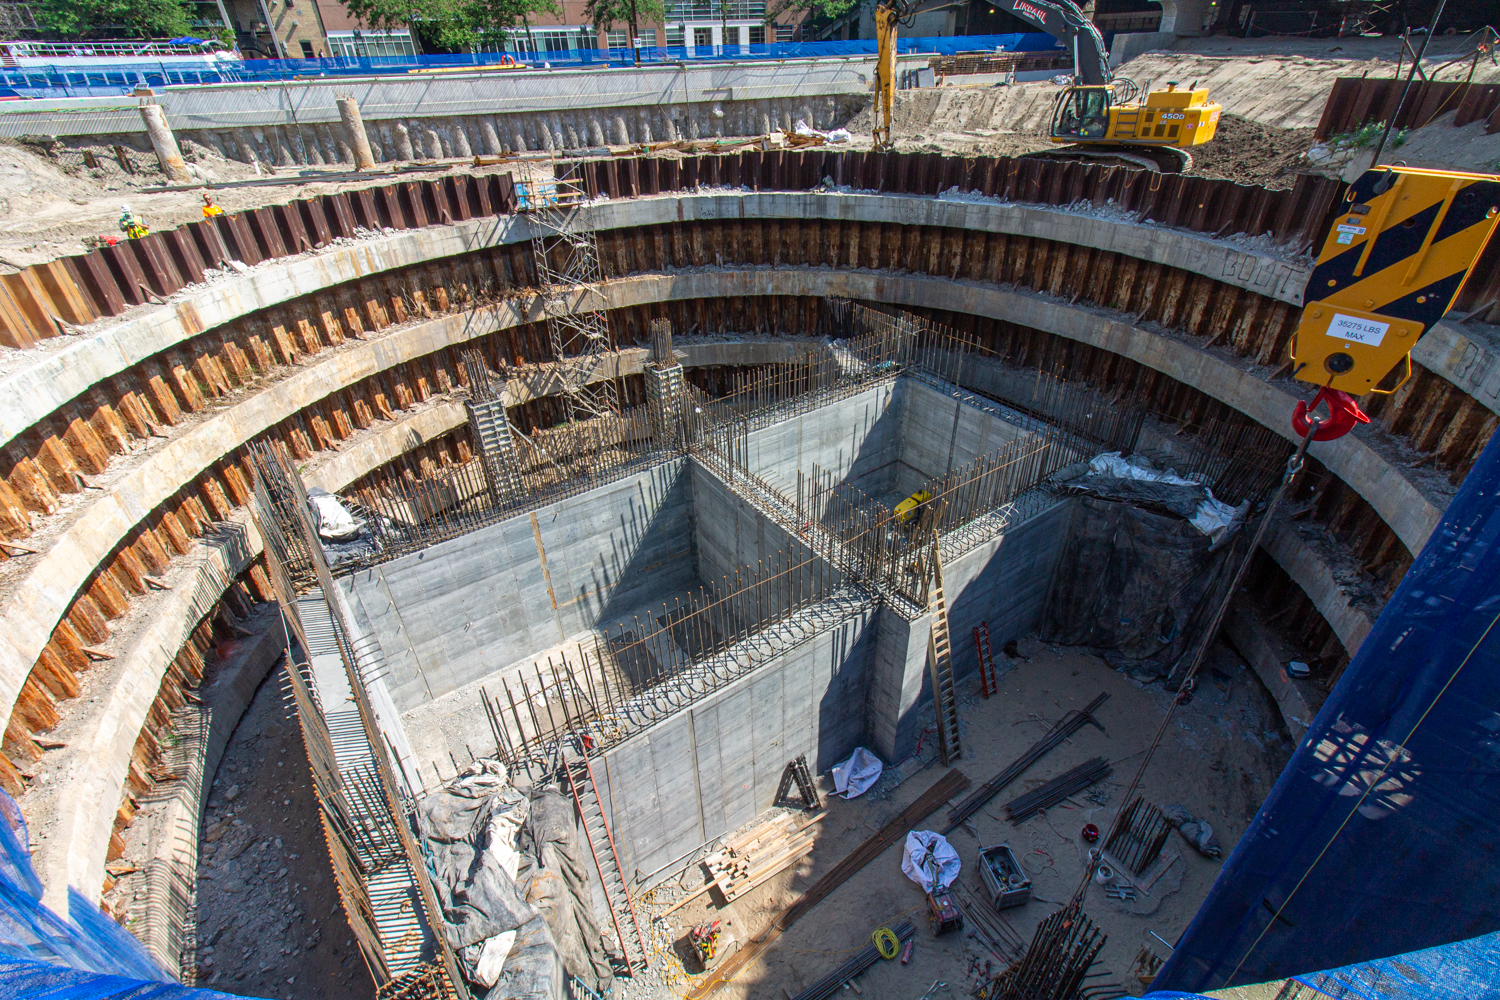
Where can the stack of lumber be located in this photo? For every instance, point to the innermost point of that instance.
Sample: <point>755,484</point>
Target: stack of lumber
<point>746,861</point>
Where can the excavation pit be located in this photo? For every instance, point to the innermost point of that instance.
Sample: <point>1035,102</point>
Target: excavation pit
<point>692,613</point>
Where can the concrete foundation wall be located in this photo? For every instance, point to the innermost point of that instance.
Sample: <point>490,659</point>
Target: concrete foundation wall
<point>941,431</point>
<point>465,608</point>
<point>730,534</point>
<point>1005,582</point>
<point>714,766</point>
<point>856,438</point>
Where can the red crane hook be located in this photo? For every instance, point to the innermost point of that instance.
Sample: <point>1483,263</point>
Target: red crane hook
<point>1343,414</point>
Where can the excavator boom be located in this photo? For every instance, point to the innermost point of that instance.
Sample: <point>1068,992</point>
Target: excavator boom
<point>1065,22</point>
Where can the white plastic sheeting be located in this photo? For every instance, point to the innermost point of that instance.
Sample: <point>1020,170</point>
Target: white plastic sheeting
<point>854,776</point>
<point>929,860</point>
<point>1213,517</point>
<point>335,523</point>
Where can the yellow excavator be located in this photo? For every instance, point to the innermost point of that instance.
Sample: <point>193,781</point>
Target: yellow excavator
<point>1097,119</point>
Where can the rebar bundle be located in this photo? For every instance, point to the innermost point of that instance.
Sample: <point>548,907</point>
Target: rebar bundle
<point>1053,968</point>
<point>1070,724</point>
<point>862,960</point>
<point>1139,836</point>
<point>1026,806</point>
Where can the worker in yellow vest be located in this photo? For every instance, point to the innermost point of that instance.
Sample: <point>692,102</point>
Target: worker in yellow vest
<point>133,227</point>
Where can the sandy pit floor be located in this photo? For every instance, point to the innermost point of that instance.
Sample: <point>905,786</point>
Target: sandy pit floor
<point>1219,758</point>
<point>269,909</point>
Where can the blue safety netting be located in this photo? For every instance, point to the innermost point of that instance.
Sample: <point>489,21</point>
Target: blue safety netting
<point>27,980</point>
<point>1464,970</point>
<point>1380,837</point>
<point>108,80</point>
<point>83,957</point>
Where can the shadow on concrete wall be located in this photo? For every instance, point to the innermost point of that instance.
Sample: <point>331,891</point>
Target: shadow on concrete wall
<point>651,555</point>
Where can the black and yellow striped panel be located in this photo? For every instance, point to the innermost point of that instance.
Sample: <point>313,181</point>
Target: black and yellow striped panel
<point>1393,261</point>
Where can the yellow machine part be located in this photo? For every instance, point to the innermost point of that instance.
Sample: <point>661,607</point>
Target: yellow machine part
<point>907,509</point>
<point>887,16</point>
<point>1168,117</point>
<point>1394,260</point>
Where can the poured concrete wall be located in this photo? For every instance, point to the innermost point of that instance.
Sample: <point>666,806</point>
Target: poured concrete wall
<point>942,431</point>
<point>1003,581</point>
<point>730,534</point>
<point>468,607</point>
<point>856,438</point>
<point>715,765</point>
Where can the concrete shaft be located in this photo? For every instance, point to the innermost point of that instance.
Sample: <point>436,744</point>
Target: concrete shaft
<point>165,144</point>
<point>354,126</point>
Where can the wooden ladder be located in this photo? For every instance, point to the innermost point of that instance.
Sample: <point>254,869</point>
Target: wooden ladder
<point>607,862</point>
<point>940,663</point>
<point>988,683</point>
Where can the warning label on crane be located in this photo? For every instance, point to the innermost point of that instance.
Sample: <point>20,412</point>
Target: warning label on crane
<point>1364,331</point>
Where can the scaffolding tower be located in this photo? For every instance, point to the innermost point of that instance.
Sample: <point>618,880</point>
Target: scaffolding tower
<point>565,250</point>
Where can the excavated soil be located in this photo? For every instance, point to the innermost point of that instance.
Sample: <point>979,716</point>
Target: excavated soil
<point>1249,152</point>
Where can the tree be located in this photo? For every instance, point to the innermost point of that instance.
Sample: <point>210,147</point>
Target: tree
<point>604,13</point>
<point>133,18</point>
<point>451,25</point>
<point>814,12</point>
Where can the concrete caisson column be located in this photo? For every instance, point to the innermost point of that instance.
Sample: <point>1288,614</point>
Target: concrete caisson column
<point>404,148</point>
<point>165,144</point>
<point>490,138</point>
<point>354,130</point>
<point>1183,17</point>
<point>461,145</point>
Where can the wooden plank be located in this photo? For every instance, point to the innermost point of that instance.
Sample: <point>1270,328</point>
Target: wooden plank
<point>941,791</point>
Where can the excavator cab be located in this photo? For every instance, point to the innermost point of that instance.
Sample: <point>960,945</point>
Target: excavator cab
<point>1081,113</point>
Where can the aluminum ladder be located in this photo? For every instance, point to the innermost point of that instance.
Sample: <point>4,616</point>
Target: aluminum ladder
<point>607,862</point>
<point>940,663</point>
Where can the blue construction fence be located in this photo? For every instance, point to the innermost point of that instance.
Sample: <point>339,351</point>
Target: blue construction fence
<point>113,80</point>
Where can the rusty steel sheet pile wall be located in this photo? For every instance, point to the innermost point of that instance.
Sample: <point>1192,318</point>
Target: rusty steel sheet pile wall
<point>1196,203</point>
<point>1355,101</point>
<point>107,281</point>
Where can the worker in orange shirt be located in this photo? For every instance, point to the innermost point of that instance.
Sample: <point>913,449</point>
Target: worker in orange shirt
<point>209,208</point>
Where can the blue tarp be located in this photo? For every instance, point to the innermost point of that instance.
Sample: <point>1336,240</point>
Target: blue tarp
<point>120,78</point>
<point>1381,835</point>
<point>84,957</point>
<point>24,980</point>
<point>1465,970</point>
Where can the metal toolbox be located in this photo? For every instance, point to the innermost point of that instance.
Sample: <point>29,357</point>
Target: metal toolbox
<point>1003,876</point>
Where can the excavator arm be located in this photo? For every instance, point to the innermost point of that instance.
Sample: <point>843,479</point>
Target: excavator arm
<point>1065,22</point>
<point>888,14</point>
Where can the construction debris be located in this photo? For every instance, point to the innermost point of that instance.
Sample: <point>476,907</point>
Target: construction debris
<point>949,785</point>
<point>750,859</point>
